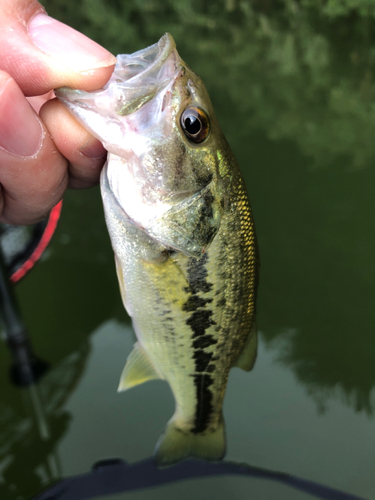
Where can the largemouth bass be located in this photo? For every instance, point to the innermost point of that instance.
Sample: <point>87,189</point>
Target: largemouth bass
<point>183,236</point>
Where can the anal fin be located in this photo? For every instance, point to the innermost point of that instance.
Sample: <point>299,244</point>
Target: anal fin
<point>248,354</point>
<point>138,369</point>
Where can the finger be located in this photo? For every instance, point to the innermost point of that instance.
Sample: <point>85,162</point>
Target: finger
<point>38,101</point>
<point>33,174</point>
<point>85,153</point>
<point>43,54</point>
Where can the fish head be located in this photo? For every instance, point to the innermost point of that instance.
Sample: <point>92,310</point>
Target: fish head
<point>169,165</point>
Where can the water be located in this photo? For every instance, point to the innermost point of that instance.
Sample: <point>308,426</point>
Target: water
<point>293,89</point>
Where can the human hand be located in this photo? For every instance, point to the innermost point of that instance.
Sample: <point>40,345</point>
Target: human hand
<point>40,156</point>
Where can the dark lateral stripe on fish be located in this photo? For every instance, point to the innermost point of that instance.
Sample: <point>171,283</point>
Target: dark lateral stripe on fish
<point>197,274</point>
<point>206,224</point>
<point>204,341</point>
<point>204,403</point>
<point>199,321</point>
<point>193,302</point>
<point>202,360</point>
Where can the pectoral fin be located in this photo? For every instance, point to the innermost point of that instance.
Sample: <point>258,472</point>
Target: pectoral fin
<point>191,225</point>
<point>138,369</point>
<point>248,354</point>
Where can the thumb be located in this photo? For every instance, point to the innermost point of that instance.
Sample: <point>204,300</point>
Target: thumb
<point>41,53</point>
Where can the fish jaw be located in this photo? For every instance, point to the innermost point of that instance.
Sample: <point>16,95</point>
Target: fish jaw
<point>137,79</point>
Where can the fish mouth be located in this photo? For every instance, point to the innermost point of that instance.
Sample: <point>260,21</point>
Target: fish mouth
<point>138,77</point>
<point>136,80</point>
<point>147,65</point>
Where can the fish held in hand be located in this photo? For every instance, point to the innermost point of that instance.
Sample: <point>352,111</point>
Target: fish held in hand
<point>183,236</point>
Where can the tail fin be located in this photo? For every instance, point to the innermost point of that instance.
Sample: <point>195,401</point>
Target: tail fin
<point>176,444</point>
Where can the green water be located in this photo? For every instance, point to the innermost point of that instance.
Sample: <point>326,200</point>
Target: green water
<point>293,86</point>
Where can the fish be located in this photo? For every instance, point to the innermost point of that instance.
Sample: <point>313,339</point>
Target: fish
<point>183,236</point>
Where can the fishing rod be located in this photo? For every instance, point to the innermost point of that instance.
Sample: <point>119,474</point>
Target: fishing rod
<point>20,248</point>
<point>26,368</point>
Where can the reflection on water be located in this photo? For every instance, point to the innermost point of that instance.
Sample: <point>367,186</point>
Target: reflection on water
<point>33,420</point>
<point>32,424</point>
<point>292,84</point>
<point>318,273</point>
<point>46,445</point>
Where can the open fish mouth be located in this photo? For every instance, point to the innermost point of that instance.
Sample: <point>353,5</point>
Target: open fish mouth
<point>147,66</point>
<point>136,80</point>
<point>136,77</point>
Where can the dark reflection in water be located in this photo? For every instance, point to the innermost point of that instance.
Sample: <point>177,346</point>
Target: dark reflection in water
<point>32,424</point>
<point>32,420</point>
<point>318,274</point>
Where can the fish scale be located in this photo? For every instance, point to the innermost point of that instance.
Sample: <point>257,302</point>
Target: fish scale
<point>183,235</point>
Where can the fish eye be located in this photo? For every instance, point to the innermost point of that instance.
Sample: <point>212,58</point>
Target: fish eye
<point>195,124</point>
